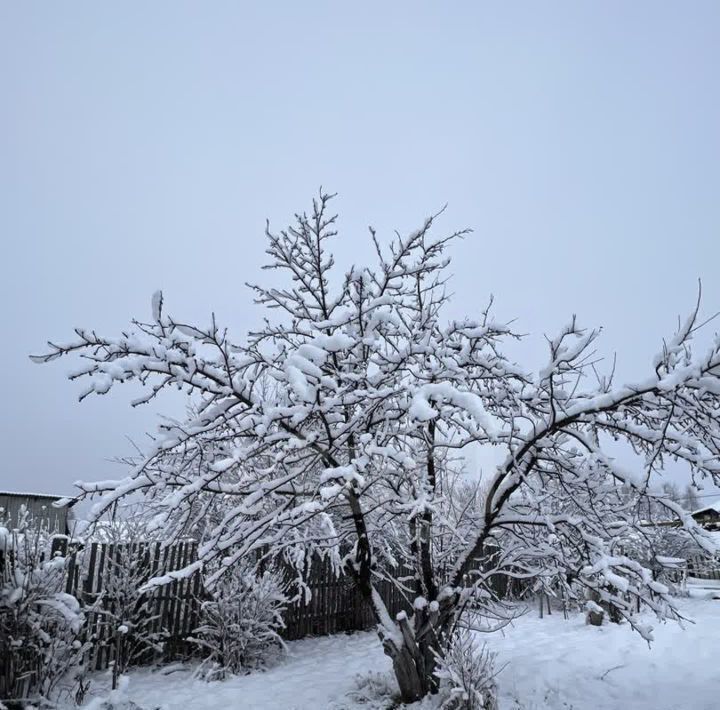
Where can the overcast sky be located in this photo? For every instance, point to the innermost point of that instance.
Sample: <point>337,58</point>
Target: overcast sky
<point>143,145</point>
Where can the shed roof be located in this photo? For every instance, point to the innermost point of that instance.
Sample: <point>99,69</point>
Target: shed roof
<point>713,506</point>
<point>49,496</point>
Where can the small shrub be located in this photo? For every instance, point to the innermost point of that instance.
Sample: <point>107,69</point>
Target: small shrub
<point>371,691</point>
<point>240,625</point>
<point>467,675</point>
<point>128,617</point>
<point>116,699</point>
<point>39,624</point>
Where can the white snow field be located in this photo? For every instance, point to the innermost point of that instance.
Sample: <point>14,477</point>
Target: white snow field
<point>553,663</point>
<point>548,664</point>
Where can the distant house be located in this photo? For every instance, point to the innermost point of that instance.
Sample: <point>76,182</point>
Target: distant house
<point>40,509</point>
<point>709,516</point>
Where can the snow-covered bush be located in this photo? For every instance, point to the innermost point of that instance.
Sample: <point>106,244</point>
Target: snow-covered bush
<point>467,674</point>
<point>126,621</point>
<point>40,624</point>
<point>240,625</point>
<point>128,616</point>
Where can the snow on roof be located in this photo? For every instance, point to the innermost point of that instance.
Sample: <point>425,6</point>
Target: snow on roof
<point>25,494</point>
<point>713,506</point>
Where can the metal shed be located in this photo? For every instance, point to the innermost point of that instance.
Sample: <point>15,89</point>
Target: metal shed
<point>41,510</point>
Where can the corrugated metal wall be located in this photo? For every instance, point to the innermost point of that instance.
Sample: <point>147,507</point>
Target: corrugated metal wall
<point>41,511</point>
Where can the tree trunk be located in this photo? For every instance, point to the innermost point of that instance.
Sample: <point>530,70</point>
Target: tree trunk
<point>412,685</point>
<point>414,654</point>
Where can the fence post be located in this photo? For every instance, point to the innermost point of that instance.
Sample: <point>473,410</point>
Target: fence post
<point>58,546</point>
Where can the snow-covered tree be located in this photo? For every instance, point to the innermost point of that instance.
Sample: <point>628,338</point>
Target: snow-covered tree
<point>672,491</point>
<point>337,426</point>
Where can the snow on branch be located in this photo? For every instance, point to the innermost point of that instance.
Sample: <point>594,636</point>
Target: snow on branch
<point>338,428</point>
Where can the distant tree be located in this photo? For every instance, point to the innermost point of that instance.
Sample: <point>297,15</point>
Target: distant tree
<point>672,491</point>
<point>690,499</point>
<point>333,427</point>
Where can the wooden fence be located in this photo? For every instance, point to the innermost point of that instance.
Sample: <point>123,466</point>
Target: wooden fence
<point>331,605</point>
<point>336,605</point>
<point>103,575</point>
<point>703,568</point>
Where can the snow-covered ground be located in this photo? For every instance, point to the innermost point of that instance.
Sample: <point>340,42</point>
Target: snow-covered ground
<point>548,663</point>
<point>553,663</point>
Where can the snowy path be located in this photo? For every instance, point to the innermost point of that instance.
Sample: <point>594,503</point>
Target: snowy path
<point>552,664</point>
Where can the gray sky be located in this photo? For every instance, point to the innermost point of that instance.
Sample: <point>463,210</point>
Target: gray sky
<point>142,146</point>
